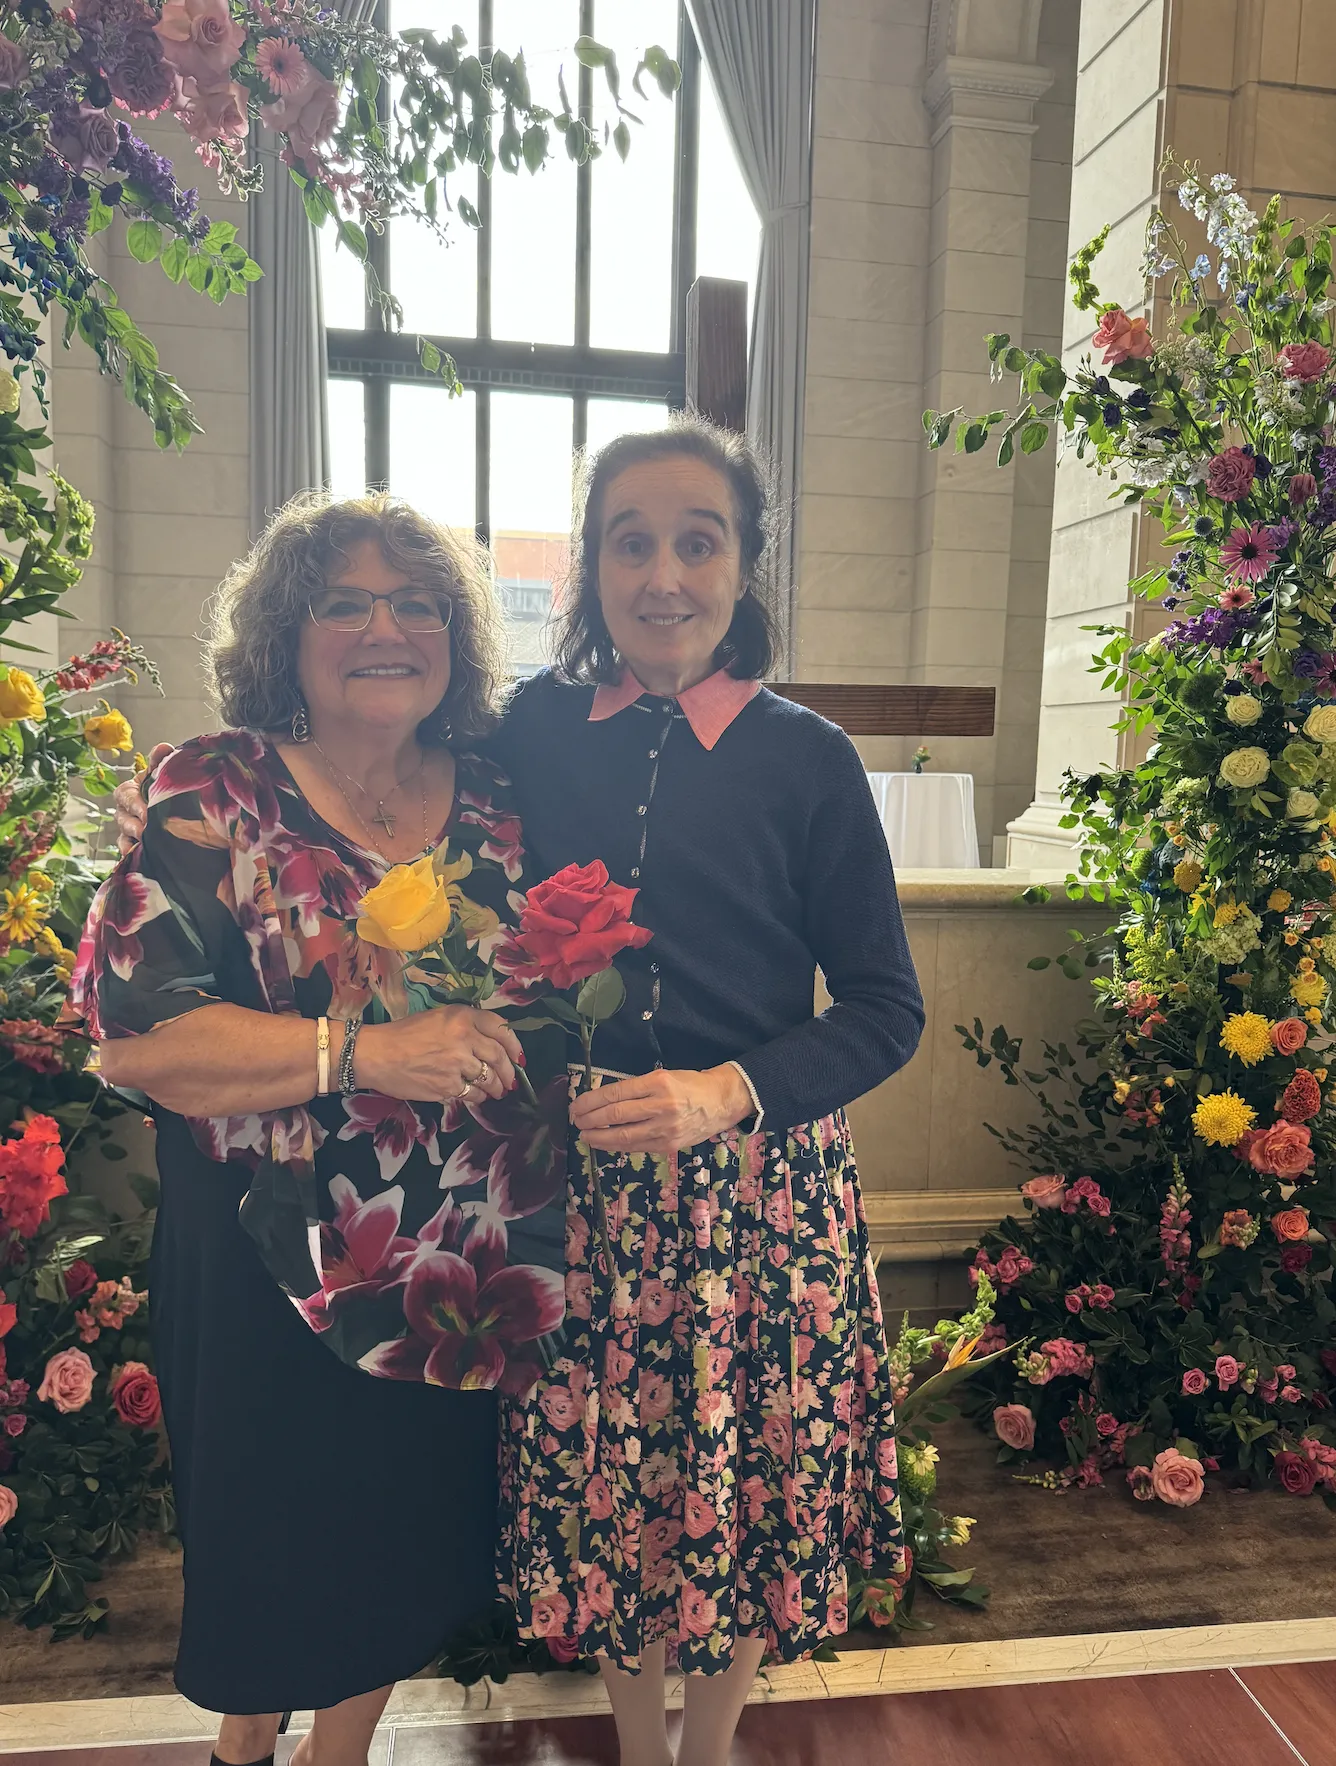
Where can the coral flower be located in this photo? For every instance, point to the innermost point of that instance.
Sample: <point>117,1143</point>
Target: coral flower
<point>1248,554</point>
<point>1239,596</point>
<point>286,70</point>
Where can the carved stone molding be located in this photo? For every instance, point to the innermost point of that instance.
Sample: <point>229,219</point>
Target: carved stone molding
<point>971,92</point>
<point>1008,29</point>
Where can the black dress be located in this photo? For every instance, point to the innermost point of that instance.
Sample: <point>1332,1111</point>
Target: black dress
<point>337,1526</point>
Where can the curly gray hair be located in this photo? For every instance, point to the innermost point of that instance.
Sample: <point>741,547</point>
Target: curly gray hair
<point>258,611</point>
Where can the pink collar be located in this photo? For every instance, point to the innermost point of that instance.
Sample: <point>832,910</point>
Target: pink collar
<point>709,707</point>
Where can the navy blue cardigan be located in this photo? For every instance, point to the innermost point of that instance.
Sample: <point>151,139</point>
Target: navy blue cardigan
<point>757,862</point>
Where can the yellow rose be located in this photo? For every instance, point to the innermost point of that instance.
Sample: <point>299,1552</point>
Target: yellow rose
<point>1244,769</point>
<point>1300,805</point>
<point>407,910</point>
<point>1243,709</point>
<point>1321,724</point>
<point>109,730</point>
<point>20,696</point>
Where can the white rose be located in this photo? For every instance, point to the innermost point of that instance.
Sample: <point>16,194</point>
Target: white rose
<point>1154,646</point>
<point>1300,805</point>
<point>1321,724</point>
<point>1243,709</point>
<point>1245,768</point>
<point>9,393</point>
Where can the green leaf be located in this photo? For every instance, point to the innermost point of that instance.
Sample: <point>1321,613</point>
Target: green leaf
<point>1039,963</point>
<point>621,139</point>
<point>975,437</point>
<point>175,256</point>
<point>354,238</point>
<point>1033,437</point>
<point>601,995</point>
<point>590,53</point>
<point>143,241</point>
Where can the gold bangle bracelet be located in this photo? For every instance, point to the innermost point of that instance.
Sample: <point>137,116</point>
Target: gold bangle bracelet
<point>322,1056</point>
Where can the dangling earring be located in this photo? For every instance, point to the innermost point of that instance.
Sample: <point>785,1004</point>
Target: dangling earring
<point>301,727</point>
<point>444,729</point>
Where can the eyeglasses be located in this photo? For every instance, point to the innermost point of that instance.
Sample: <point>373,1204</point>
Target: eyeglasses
<point>351,610</point>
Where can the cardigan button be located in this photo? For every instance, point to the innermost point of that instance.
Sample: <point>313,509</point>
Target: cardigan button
<point>647,1015</point>
<point>635,870</point>
<point>668,707</point>
<point>643,810</point>
<point>654,754</point>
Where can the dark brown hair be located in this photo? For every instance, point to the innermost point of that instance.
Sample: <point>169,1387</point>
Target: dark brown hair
<point>258,612</point>
<point>582,647</point>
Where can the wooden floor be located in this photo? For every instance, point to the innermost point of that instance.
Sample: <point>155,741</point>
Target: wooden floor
<point>1264,1716</point>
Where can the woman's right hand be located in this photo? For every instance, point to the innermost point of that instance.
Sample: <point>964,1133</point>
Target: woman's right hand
<point>131,810</point>
<point>443,1053</point>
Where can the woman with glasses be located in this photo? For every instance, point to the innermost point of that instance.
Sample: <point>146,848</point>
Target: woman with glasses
<point>360,1233</point>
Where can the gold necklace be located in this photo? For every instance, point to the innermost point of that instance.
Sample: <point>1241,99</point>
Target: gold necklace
<point>360,818</point>
<point>382,818</point>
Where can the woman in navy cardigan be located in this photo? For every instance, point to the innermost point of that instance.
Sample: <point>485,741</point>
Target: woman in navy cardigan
<point>719,1441</point>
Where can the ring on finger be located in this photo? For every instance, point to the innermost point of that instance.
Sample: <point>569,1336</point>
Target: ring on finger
<point>483,1074</point>
<point>461,1097</point>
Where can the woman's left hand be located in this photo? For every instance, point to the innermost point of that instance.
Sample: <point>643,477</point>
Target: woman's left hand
<point>662,1112</point>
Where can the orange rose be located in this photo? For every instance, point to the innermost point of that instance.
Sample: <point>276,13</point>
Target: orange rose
<point>1290,1225</point>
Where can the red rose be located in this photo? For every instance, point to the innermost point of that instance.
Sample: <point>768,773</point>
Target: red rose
<point>1296,1473</point>
<point>1328,1359</point>
<point>1230,475</point>
<point>134,1393</point>
<point>1296,1257</point>
<point>80,1278</point>
<point>574,924</point>
<point>561,1649</point>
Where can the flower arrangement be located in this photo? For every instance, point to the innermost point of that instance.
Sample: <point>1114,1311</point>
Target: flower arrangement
<point>962,1347</point>
<point>1175,1265</point>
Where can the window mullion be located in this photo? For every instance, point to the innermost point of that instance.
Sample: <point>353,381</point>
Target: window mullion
<point>482,402</point>
<point>686,178</point>
<point>584,193</point>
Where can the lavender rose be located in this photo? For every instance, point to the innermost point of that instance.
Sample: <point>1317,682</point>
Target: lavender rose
<point>92,143</point>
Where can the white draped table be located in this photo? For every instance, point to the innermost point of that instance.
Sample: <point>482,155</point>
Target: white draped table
<point>928,818</point>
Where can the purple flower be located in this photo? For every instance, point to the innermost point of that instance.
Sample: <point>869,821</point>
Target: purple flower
<point>140,77</point>
<point>1308,664</point>
<point>1282,533</point>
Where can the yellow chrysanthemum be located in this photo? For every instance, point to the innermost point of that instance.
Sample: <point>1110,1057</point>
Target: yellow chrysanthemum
<point>1308,990</point>
<point>1247,1035</point>
<point>1313,1015</point>
<point>1226,913</point>
<point>1187,875</point>
<point>1222,1119</point>
<point>1279,900</point>
<point>21,914</point>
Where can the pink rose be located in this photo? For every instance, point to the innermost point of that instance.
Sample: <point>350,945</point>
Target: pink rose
<point>1009,1266</point>
<point>1303,488</point>
<point>1194,1382</point>
<point>201,40</point>
<point>1013,1424</point>
<point>1284,1150</point>
<point>1176,1479</point>
<point>657,1303</point>
<point>212,115</point>
<point>699,1612</point>
<point>9,1504</point>
<point>1106,1423</point>
<point>1304,361</point>
<point>134,1393</point>
<point>700,1517</point>
<point>1289,1035</point>
<point>1230,475</point>
<point>307,117</point>
<point>1045,1192</point>
<point>1297,1474</point>
<point>1122,338</point>
<point>1227,1371</point>
<point>559,1407</point>
<point>551,1615</point>
<point>68,1381</point>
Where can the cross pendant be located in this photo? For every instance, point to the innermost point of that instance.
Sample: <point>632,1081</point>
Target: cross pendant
<point>383,819</point>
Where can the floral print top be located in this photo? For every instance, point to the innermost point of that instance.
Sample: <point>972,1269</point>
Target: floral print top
<point>422,1240</point>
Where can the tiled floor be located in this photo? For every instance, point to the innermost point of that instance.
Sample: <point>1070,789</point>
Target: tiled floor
<point>1266,1716</point>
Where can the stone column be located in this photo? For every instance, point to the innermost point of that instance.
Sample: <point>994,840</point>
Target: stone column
<point>1244,86</point>
<point>982,85</point>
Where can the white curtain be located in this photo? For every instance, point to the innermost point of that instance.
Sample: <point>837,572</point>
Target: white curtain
<point>760,54</point>
<point>289,415</point>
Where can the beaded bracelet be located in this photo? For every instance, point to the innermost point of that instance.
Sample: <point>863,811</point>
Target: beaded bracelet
<point>347,1084</point>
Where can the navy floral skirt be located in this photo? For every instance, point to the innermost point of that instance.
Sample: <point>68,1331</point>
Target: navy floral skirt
<point>718,1441</point>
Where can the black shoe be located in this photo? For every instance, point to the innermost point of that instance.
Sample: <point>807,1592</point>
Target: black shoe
<point>269,1758</point>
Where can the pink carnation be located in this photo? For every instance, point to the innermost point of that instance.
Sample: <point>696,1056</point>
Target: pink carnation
<point>1230,475</point>
<point>1121,338</point>
<point>1304,361</point>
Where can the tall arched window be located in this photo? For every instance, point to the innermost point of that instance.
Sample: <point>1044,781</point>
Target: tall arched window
<point>565,311</point>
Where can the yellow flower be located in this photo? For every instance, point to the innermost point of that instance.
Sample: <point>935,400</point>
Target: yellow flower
<point>1320,1074</point>
<point>1313,1015</point>
<point>1222,1119</point>
<point>1325,864</point>
<point>9,393</point>
<point>1169,1081</point>
<point>1180,840</point>
<point>111,729</point>
<point>42,880</point>
<point>1226,913</point>
<point>1279,900</point>
<point>1121,1091</point>
<point>1306,965</point>
<point>1247,1035</point>
<point>1245,768</point>
<point>1291,938</point>
<point>20,696</point>
<point>959,1529</point>
<point>1187,875</point>
<point>1308,990</point>
<point>407,910</point>
<point>1321,724</point>
<point>1315,944</point>
<point>21,915</point>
